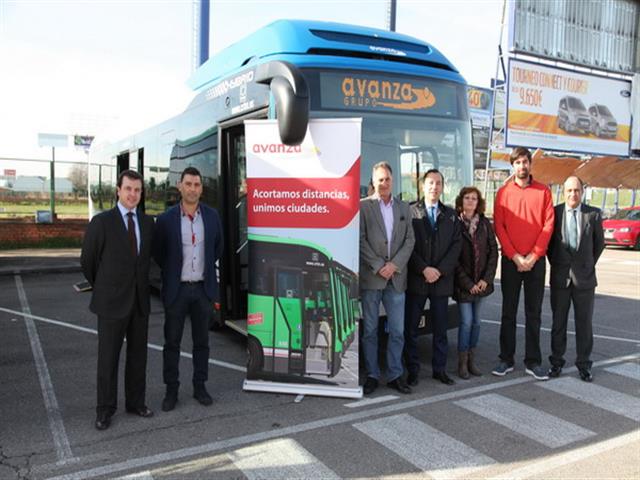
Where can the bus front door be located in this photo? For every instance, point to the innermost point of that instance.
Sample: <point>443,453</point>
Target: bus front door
<point>234,274</point>
<point>288,317</point>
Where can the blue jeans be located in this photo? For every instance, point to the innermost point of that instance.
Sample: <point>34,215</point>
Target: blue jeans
<point>393,302</point>
<point>469,329</point>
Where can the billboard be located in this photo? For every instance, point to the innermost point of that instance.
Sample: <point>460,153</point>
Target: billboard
<point>595,34</point>
<point>303,209</point>
<point>568,111</point>
<point>479,103</point>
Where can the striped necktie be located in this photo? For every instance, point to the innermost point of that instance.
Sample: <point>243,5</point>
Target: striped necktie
<point>573,231</point>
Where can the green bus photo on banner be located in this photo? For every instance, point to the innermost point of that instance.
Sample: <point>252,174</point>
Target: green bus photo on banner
<point>303,311</point>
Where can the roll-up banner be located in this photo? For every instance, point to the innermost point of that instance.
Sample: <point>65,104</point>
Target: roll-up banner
<point>567,111</point>
<point>303,219</point>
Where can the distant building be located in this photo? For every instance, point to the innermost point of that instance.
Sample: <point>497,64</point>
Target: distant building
<point>36,184</point>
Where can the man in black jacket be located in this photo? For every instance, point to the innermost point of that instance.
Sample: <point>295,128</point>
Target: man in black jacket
<point>574,249</point>
<point>115,260</point>
<point>431,274</point>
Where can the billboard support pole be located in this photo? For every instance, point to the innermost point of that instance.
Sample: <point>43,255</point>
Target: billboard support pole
<point>493,101</point>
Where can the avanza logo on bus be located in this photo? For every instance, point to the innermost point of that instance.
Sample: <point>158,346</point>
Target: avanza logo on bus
<point>282,148</point>
<point>370,92</point>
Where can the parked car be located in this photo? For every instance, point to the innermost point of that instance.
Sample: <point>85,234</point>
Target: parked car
<point>603,124</point>
<point>573,116</point>
<point>623,228</point>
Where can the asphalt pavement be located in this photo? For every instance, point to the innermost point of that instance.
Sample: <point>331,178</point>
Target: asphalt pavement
<point>487,427</point>
<point>39,261</point>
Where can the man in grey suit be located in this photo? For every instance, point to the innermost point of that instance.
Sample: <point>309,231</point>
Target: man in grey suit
<point>576,245</point>
<point>386,242</point>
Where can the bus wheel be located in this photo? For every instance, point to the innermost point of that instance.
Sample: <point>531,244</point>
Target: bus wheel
<point>256,359</point>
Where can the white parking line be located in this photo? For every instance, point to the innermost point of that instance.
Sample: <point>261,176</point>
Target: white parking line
<point>537,469</point>
<point>152,346</point>
<point>569,332</point>
<point>207,448</point>
<point>59,433</point>
<point>137,476</point>
<point>428,449</point>
<point>630,370</point>
<point>281,458</point>
<point>525,420</point>
<point>371,401</point>
<point>596,395</point>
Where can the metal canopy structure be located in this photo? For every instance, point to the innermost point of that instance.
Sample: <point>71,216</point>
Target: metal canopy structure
<point>599,172</point>
<point>610,172</point>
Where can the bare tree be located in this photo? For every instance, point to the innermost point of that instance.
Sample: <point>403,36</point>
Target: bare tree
<point>78,177</point>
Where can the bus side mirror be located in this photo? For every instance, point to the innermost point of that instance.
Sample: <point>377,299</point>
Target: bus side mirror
<point>291,93</point>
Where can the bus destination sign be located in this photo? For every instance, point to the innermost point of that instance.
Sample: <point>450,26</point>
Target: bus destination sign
<point>386,93</point>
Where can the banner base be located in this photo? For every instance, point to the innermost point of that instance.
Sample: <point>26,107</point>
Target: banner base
<point>301,389</point>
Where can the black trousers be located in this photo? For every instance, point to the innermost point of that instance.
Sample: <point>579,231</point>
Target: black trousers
<point>582,299</point>
<point>111,334</point>
<point>511,282</point>
<point>193,301</point>
<point>439,316</point>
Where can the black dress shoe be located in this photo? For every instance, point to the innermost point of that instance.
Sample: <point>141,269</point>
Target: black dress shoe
<point>170,400</point>
<point>202,396</point>
<point>142,411</point>
<point>585,375</point>
<point>554,372</point>
<point>399,385</point>
<point>412,379</point>
<point>443,377</point>
<point>370,385</point>
<point>103,420</point>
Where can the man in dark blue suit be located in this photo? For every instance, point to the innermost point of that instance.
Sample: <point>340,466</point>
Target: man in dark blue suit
<point>116,253</point>
<point>187,245</point>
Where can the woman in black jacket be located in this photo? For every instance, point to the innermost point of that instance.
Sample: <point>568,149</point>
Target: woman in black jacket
<point>474,275</point>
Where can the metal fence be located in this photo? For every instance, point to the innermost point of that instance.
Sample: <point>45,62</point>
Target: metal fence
<point>25,189</point>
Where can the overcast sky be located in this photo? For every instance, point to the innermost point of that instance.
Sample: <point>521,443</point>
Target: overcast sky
<point>75,66</point>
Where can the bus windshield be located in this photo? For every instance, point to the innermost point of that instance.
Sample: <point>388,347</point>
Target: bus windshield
<point>411,139</point>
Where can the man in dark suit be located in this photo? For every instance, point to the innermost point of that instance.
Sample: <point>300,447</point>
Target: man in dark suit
<point>431,274</point>
<point>187,245</point>
<point>386,241</point>
<point>115,259</point>
<point>576,245</point>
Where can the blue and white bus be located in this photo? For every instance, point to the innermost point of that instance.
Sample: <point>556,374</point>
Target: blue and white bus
<point>412,101</point>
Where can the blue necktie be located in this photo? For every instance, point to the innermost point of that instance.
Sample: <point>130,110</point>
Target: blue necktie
<point>573,231</point>
<point>432,216</point>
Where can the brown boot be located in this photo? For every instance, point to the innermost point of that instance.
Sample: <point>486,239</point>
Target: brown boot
<point>473,370</point>
<point>462,365</point>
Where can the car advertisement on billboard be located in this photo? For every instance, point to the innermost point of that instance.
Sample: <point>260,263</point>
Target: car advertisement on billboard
<point>564,110</point>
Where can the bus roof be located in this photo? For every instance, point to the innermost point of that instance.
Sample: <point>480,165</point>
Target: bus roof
<point>325,42</point>
<point>291,241</point>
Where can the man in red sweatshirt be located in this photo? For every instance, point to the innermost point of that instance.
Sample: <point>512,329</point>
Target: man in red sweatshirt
<point>523,217</point>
